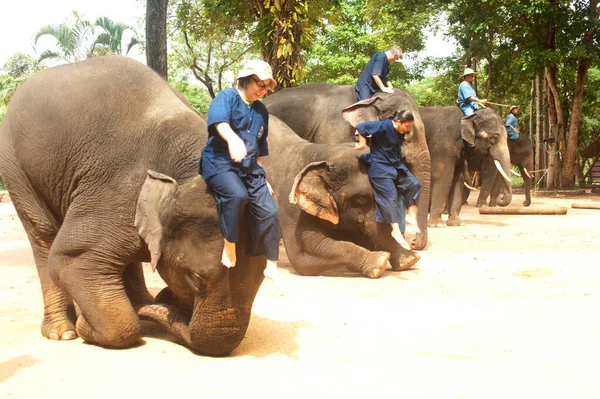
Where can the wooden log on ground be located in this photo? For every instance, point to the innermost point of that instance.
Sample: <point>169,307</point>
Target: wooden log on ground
<point>521,210</point>
<point>586,205</point>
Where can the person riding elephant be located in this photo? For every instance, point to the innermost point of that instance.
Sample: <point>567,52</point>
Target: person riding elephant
<point>100,158</point>
<point>327,114</point>
<point>326,208</point>
<point>453,138</point>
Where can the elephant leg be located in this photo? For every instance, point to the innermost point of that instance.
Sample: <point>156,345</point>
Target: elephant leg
<point>135,285</point>
<point>440,187</point>
<point>455,199</point>
<point>78,263</point>
<point>59,311</point>
<point>313,253</point>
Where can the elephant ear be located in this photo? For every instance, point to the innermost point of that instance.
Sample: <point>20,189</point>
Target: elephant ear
<point>310,192</point>
<point>156,191</point>
<point>362,111</point>
<point>467,129</point>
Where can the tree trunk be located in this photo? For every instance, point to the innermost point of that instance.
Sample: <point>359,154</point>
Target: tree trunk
<point>568,172</point>
<point>488,86</point>
<point>539,140</point>
<point>557,128</point>
<point>156,36</point>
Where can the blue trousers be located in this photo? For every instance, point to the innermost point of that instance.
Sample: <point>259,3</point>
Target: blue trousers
<point>234,194</point>
<point>390,193</point>
<point>363,93</point>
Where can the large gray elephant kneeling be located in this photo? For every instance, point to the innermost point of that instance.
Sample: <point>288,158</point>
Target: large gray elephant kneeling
<point>100,158</point>
<point>326,207</point>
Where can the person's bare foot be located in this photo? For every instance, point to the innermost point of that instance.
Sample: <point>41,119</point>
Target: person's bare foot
<point>272,274</point>
<point>400,239</point>
<point>228,258</point>
<point>410,219</point>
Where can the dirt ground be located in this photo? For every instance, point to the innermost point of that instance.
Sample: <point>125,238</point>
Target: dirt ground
<point>504,307</point>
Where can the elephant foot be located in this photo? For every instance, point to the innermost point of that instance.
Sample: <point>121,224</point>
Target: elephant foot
<point>526,203</point>
<point>455,221</point>
<point>435,222</point>
<point>381,262</point>
<point>113,336</point>
<point>59,328</point>
<point>480,204</point>
<point>404,260</point>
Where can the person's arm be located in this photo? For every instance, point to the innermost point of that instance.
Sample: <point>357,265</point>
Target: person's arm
<point>237,148</point>
<point>386,89</point>
<point>362,143</point>
<point>483,102</point>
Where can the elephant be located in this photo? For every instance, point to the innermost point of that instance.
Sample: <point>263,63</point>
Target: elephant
<point>521,155</point>
<point>326,207</point>
<point>100,159</point>
<point>326,114</point>
<point>452,139</point>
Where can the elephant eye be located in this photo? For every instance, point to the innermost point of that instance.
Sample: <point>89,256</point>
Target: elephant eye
<point>360,201</point>
<point>196,282</point>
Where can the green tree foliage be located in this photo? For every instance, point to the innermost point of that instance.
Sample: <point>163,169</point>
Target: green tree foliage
<point>208,44</point>
<point>77,39</point>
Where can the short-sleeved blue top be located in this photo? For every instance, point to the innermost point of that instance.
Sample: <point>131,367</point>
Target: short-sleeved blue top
<point>385,159</point>
<point>377,65</point>
<point>250,122</point>
<point>511,122</point>
<point>465,90</point>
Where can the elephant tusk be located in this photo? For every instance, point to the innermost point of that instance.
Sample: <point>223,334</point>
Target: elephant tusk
<point>499,167</point>
<point>470,187</point>
<point>515,173</point>
<point>527,173</point>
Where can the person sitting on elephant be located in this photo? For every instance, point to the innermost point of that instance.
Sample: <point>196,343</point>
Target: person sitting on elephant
<point>374,76</point>
<point>467,97</point>
<point>512,125</point>
<point>388,175</point>
<point>231,166</point>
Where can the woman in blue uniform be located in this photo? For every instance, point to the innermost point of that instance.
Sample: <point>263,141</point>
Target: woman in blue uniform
<point>231,166</point>
<point>389,177</point>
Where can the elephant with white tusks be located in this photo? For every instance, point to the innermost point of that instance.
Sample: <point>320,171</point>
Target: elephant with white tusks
<point>100,159</point>
<point>452,139</point>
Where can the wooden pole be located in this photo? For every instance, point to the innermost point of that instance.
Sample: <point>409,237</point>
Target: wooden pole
<point>586,205</point>
<point>531,210</point>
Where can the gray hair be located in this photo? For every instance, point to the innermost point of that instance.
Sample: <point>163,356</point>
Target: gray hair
<point>395,50</point>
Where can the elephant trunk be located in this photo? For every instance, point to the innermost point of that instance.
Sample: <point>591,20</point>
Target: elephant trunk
<point>423,174</point>
<point>501,158</point>
<point>216,326</point>
<point>527,179</point>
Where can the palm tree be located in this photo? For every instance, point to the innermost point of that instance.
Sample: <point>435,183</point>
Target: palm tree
<point>110,39</point>
<point>72,36</point>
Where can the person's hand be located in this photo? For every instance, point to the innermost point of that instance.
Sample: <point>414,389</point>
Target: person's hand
<point>388,90</point>
<point>237,148</point>
<point>360,146</point>
<point>269,187</point>
<point>484,101</point>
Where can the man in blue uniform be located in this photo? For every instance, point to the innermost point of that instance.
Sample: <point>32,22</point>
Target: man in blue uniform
<point>467,98</point>
<point>389,177</point>
<point>231,166</point>
<point>512,125</point>
<point>374,77</point>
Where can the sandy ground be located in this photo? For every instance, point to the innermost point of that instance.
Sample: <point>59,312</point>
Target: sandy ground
<point>504,307</point>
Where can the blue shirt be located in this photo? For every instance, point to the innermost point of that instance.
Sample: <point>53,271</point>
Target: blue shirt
<point>511,122</point>
<point>384,159</point>
<point>465,90</point>
<point>377,65</point>
<point>250,122</point>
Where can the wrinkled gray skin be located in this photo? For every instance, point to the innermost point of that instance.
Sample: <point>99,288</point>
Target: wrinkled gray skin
<point>451,139</point>
<point>100,158</point>
<point>314,112</point>
<point>521,155</point>
<point>326,207</point>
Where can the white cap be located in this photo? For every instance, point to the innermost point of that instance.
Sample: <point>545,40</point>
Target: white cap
<point>259,68</point>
